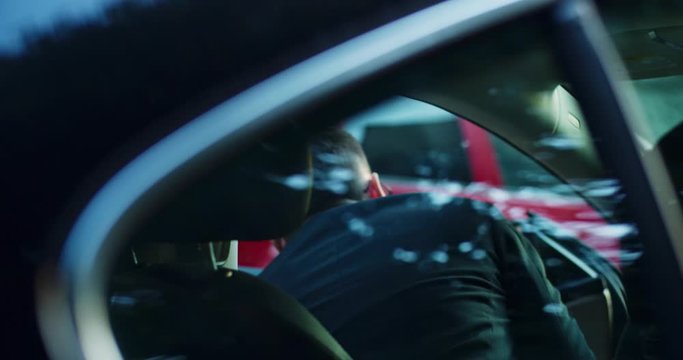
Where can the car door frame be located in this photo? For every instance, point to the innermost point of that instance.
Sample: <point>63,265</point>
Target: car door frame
<point>71,300</point>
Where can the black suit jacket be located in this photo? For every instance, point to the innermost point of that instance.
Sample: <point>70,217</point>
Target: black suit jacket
<point>426,276</point>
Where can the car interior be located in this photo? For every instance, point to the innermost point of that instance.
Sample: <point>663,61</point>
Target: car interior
<point>167,297</point>
<point>172,306</point>
<point>160,308</point>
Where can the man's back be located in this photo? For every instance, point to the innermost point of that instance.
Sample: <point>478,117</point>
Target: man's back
<point>426,276</point>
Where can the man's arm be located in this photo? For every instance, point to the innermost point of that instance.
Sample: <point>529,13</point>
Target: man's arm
<point>540,324</point>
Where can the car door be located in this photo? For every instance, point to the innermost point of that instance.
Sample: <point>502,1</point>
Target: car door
<point>471,43</point>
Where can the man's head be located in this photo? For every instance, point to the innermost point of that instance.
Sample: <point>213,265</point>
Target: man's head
<point>341,172</point>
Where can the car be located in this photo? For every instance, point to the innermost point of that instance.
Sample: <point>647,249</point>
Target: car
<point>144,137</point>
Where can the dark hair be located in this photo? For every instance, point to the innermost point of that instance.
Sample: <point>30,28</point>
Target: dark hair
<point>339,164</point>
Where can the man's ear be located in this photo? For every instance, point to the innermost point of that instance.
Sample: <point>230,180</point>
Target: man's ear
<point>375,188</point>
<point>279,243</point>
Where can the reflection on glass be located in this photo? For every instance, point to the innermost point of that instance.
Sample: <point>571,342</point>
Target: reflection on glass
<point>500,217</point>
<point>522,186</point>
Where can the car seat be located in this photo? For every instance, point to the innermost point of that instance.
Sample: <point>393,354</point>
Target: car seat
<point>159,309</point>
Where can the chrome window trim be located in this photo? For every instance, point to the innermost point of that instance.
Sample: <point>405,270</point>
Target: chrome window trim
<point>73,314</point>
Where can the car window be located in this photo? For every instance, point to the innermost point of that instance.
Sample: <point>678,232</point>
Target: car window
<point>419,150</point>
<point>520,170</point>
<point>417,147</point>
<point>535,254</point>
<point>513,89</point>
<point>182,184</point>
<point>657,86</point>
<point>431,141</point>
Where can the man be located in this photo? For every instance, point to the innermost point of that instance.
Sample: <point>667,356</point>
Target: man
<point>420,275</point>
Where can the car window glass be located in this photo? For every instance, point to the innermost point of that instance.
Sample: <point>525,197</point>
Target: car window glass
<point>647,37</point>
<point>416,147</point>
<point>520,170</point>
<point>453,250</point>
<point>506,82</point>
<point>431,141</point>
<point>652,62</point>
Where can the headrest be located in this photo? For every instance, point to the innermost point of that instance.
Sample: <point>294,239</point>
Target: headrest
<point>261,193</point>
